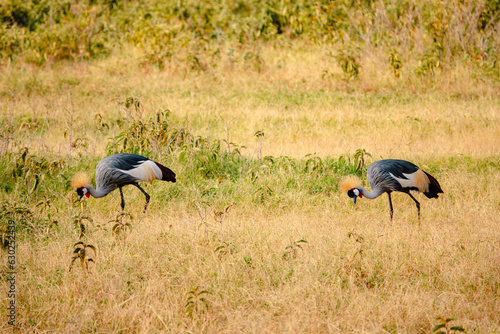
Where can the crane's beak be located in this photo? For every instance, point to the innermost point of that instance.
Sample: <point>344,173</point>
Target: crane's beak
<point>354,199</point>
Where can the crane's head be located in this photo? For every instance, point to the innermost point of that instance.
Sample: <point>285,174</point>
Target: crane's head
<point>82,192</point>
<point>80,182</point>
<point>350,184</point>
<point>354,193</point>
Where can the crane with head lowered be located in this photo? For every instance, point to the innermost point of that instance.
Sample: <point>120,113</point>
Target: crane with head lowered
<point>119,170</point>
<point>386,176</point>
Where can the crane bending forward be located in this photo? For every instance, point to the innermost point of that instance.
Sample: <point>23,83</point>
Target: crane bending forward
<point>118,170</point>
<point>386,176</point>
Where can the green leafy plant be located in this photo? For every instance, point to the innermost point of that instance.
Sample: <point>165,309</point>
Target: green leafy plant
<point>81,252</point>
<point>428,64</point>
<point>219,215</point>
<point>360,240</point>
<point>248,261</point>
<point>360,159</point>
<point>122,224</point>
<point>292,249</point>
<point>80,222</point>
<point>196,301</point>
<point>259,134</point>
<point>395,62</point>
<point>349,64</point>
<point>225,249</point>
<point>444,327</point>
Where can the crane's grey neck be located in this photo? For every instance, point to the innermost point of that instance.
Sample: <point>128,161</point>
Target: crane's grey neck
<point>370,194</point>
<point>101,192</point>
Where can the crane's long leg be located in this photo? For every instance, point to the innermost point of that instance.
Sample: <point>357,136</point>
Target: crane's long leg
<point>123,201</point>
<point>145,194</point>
<point>390,205</point>
<point>418,206</point>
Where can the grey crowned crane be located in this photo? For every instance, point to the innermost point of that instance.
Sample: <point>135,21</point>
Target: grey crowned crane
<point>386,176</point>
<point>118,170</point>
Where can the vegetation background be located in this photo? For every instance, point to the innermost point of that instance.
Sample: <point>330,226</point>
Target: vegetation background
<point>260,107</point>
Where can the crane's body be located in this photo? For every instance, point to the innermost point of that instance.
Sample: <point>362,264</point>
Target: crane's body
<point>386,176</point>
<point>121,169</point>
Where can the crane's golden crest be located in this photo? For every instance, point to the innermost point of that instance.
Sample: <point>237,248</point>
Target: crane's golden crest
<point>349,182</point>
<point>80,180</point>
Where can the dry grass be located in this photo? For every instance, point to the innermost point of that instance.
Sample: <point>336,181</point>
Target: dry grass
<point>356,273</point>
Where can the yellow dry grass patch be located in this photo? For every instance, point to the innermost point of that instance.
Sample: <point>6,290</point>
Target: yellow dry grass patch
<point>356,273</point>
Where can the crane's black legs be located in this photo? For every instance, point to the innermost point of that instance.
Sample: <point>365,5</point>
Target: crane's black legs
<point>418,206</point>
<point>390,205</point>
<point>145,194</point>
<point>123,201</point>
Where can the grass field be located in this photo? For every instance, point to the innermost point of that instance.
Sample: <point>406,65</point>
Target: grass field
<point>255,236</point>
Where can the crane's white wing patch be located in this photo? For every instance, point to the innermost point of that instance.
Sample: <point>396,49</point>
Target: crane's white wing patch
<point>146,171</point>
<point>415,180</point>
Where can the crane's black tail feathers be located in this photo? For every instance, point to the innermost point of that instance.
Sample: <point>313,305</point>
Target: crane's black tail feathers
<point>434,187</point>
<point>167,173</point>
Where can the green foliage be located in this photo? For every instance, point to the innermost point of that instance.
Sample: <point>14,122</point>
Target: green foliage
<point>360,159</point>
<point>31,221</point>
<point>428,64</point>
<point>146,137</point>
<point>204,35</point>
<point>81,252</point>
<point>80,222</point>
<point>395,62</point>
<point>224,249</point>
<point>292,249</point>
<point>349,63</point>
<point>31,175</point>
<point>53,30</point>
<point>443,326</point>
<point>122,224</point>
<point>196,301</point>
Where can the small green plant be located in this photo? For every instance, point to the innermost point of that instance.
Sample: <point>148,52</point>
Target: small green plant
<point>395,62</point>
<point>123,223</point>
<point>313,164</point>
<point>428,64</point>
<point>360,158</point>
<point>45,206</point>
<point>359,239</point>
<point>80,222</point>
<point>248,261</point>
<point>5,236</point>
<point>349,64</point>
<point>292,249</point>
<point>81,252</point>
<point>219,215</point>
<point>196,301</point>
<point>443,327</point>
<point>263,193</point>
<point>259,134</point>
<point>225,249</point>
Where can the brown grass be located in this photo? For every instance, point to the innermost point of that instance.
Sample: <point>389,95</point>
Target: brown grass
<point>356,273</point>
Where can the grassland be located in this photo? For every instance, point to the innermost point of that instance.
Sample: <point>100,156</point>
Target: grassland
<point>255,236</point>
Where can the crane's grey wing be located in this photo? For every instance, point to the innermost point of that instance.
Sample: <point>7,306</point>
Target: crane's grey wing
<point>124,161</point>
<point>391,174</point>
<point>111,171</point>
